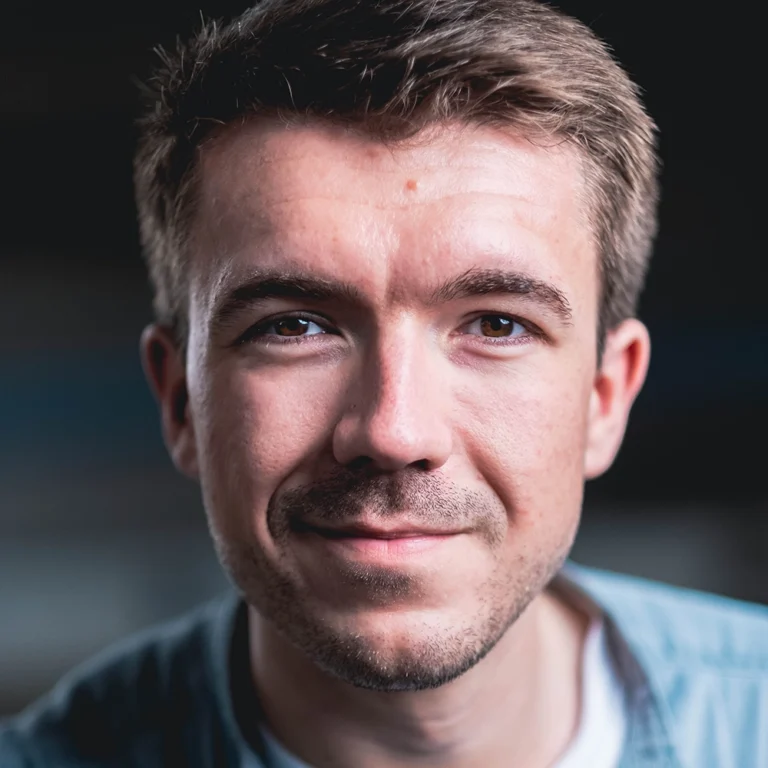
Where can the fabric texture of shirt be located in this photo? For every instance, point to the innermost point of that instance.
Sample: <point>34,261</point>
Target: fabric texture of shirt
<point>694,669</point>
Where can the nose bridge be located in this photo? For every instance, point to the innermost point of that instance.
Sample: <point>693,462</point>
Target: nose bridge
<point>396,415</point>
<point>397,372</point>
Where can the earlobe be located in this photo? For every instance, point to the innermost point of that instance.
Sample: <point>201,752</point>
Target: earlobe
<point>622,373</point>
<point>165,370</point>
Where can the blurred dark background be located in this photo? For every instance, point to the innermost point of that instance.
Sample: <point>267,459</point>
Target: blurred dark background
<point>99,536</point>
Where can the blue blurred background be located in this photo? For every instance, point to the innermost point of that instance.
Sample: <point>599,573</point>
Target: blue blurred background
<point>99,536</point>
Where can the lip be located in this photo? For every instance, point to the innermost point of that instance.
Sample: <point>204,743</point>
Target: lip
<point>375,543</point>
<point>366,531</point>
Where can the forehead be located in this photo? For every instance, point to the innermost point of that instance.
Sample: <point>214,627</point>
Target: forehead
<point>388,216</point>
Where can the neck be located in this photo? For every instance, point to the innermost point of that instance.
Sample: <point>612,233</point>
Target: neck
<point>519,705</point>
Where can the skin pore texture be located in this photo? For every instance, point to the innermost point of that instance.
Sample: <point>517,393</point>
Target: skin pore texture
<point>391,400</point>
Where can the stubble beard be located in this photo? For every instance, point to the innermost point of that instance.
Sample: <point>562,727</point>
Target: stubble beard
<point>431,655</point>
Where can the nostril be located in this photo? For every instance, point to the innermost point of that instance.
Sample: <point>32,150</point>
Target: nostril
<point>360,463</point>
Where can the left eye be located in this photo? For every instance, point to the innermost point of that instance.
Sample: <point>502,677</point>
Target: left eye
<point>291,327</point>
<point>496,327</point>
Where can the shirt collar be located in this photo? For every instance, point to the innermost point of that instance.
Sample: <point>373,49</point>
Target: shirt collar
<point>649,743</point>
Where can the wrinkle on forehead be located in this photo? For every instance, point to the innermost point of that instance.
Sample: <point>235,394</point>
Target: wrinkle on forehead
<point>312,193</point>
<point>257,164</point>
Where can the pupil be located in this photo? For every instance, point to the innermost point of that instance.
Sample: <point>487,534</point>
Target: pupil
<point>493,325</point>
<point>292,326</point>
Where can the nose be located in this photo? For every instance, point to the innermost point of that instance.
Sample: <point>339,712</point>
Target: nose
<point>396,414</point>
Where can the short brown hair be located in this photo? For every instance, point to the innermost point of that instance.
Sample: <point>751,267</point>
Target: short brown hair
<point>391,68</point>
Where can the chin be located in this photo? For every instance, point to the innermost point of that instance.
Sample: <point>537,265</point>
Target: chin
<point>384,656</point>
<point>395,650</point>
<point>385,634</point>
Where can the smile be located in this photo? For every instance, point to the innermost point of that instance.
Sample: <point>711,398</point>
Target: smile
<point>372,542</point>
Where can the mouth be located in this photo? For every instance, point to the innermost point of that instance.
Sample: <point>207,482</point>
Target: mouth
<point>376,541</point>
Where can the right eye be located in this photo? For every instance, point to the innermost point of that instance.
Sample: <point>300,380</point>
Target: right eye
<point>284,329</point>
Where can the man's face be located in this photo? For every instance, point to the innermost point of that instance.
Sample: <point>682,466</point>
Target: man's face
<point>391,357</point>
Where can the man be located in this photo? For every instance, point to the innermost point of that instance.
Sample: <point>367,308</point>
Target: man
<point>396,250</point>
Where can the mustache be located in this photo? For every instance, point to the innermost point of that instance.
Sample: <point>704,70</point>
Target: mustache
<point>346,495</point>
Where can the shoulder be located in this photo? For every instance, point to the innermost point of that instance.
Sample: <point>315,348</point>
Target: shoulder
<point>682,625</point>
<point>705,658</point>
<point>136,698</point>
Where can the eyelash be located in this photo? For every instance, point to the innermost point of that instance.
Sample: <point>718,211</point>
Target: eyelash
<point>255,335</point>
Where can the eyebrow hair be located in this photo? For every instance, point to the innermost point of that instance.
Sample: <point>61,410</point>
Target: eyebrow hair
<point>281,285</point>
<point>481,282</point>
<point>475,282</point>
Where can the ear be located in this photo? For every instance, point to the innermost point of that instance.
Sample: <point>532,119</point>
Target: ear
<point>165,370</point>
<point>622,373</point>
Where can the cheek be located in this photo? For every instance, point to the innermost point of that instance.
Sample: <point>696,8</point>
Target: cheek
<point>256,428</point>
<point>526,435</point>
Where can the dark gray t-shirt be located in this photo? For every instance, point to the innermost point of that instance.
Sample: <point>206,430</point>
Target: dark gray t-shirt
<point>166,697</point>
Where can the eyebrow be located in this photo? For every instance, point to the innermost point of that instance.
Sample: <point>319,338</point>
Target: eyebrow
<point>482,282</point>
<point>281,285</point>
<point>475,282</point>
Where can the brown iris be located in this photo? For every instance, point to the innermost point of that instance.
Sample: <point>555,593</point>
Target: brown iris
<point>291,326</point>
<point>493,325</point>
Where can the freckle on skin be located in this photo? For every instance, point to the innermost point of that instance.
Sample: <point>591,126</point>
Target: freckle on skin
<point>411,185</point>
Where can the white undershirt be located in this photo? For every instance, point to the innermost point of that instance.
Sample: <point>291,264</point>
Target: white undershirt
<point>598,742</point>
